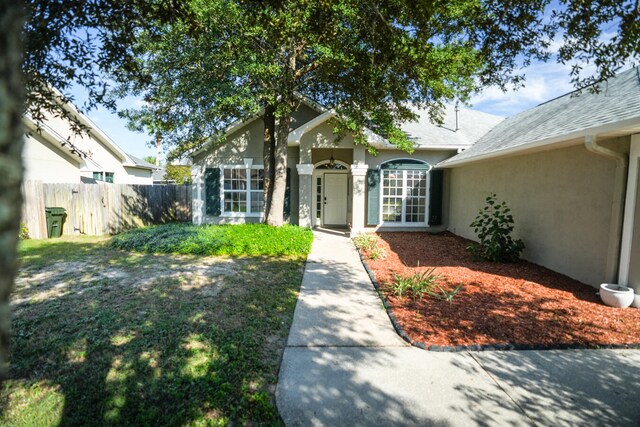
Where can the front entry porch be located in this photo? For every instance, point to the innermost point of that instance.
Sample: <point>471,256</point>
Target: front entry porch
<point>332,191</point>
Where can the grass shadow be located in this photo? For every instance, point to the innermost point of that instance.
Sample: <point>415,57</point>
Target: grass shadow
<point>198,341</point>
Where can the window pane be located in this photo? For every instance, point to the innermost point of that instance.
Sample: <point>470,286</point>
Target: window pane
<point>235,201</point>
<point>257,201</point>
<point>408,187</point>
<point>235,179</point>
<point>108,177</point>
<point>257,179</point>
<point>97,176</point>
<point>392,209</point>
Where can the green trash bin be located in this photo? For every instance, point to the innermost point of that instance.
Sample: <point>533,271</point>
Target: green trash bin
<point>55,221</point>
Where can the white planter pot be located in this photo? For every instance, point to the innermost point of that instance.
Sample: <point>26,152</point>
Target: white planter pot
<point>616,295</point>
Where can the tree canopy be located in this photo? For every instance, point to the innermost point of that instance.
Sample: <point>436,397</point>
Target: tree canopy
<point>373,62</point>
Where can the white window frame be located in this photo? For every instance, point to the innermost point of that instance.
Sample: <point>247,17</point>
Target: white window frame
<point>404,223</point>
<point>247,170</point>
<point>103,176</point>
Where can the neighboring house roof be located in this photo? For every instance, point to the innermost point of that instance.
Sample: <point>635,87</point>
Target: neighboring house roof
<point>614,111</point>
<point>158,174</point>
<point>126,159</point>
<point>142,164</point>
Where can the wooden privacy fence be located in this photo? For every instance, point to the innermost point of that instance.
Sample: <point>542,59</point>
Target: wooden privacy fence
<point>96,209</point>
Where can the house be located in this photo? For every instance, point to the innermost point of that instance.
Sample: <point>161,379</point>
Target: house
<point>54,153</point>
<point>335,183</point>
<point>563,167</point>
<point>568,169</point>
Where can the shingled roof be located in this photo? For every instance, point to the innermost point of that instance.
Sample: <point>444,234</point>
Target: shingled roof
<point>472,125</point>
<point>574,115</point>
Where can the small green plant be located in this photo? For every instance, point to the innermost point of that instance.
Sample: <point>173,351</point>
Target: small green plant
<point>24,232</point>
<point>494,225</point>
<point>444,294</point>
<point>365,241</point>
<point>417,284</point>
<point>368,243</point>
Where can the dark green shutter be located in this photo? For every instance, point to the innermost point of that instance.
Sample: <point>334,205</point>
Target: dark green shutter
<point>212,191</point>
<point>435,197</point>
<point>287,196</point>
<point>373,197</point>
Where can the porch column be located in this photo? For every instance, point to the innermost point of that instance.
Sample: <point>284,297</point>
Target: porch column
<point>359,173</point>
<point>197,194</point>
<point>305,172</point>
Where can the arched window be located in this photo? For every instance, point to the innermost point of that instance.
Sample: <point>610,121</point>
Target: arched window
<point>404,191</point>
<point>335,165</point>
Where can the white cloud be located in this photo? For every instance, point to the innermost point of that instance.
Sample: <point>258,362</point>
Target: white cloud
<point>543,82</point>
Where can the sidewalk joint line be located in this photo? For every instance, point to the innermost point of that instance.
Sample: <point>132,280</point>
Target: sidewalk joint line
<point>502,388</point>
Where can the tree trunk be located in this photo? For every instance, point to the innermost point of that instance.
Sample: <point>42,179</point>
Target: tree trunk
<point>276,213</point>
<point>268,156</point>
<point>11,141</point>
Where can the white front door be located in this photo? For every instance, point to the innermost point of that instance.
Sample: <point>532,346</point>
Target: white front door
<point>335,199</point>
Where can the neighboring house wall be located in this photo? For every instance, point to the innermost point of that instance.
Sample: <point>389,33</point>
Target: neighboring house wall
<point>45,161</point>
<point>138,176</point>
<point>561,202</point>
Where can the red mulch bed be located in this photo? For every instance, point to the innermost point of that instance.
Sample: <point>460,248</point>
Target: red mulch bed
<point>519,304</point>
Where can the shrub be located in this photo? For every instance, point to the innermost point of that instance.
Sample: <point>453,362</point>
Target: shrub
<point>24,232</point>
<point>365,241</point>
<point>494,225</point>
<point>368,243</point>
<point>416,284</point>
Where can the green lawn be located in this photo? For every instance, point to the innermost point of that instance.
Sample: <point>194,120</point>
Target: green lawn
<point>246,239</point>
<point>104,336</point>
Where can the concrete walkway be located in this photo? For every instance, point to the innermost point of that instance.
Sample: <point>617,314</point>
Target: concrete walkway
<point>345,365</point>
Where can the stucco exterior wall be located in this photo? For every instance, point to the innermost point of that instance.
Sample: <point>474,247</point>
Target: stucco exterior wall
<point>560,199</point>
<point>45,162</point>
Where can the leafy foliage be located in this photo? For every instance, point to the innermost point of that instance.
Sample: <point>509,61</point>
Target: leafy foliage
<point>416,285</point>
<point>24,232</point>
<point>236,240</point>
<point>443,294</point>
<point>150,159</point>
<point>76,42</point>
<point>494,225</point>
<point>419,284</point>
<point>180,174</point>
<point>369,244</point>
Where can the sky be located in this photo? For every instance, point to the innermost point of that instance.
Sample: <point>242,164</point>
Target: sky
<point>544,81</point>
